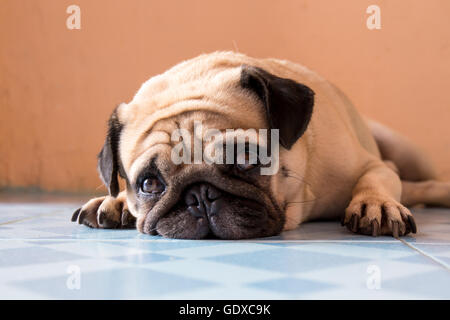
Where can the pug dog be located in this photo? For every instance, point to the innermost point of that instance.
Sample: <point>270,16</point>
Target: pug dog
<point>331,162</point>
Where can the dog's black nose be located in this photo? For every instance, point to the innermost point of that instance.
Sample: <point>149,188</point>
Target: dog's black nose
<point>201,200</point>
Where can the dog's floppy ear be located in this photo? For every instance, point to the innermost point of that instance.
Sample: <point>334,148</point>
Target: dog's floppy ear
<point>288,104</point>
<point>108,158</point>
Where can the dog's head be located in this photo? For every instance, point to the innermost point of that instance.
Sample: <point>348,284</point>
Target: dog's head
<point>178,184</point>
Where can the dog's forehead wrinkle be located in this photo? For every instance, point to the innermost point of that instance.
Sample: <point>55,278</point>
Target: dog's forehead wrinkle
<point>144,158</point>
<point>169,89</point>
<point>220,109</point>
<point>162,130</point>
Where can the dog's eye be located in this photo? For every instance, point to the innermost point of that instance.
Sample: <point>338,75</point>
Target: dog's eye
<point>246,160</point>
<point>152,185</point>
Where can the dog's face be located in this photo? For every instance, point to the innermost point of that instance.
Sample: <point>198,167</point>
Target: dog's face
<point>197,199</point>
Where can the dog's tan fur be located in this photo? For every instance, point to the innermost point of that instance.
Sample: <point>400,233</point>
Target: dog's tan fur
<point>334,170</point>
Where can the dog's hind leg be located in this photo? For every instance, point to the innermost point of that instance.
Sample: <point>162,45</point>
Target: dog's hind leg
<point>419,179</point>
<point>412,163</point>
<point>430,192</point>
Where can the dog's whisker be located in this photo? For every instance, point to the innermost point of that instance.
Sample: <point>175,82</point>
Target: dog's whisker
<point>290,203</point>
<point>299,202</point>
<point>235,46</point>
<point>296,176</point>
<point>299,179</point>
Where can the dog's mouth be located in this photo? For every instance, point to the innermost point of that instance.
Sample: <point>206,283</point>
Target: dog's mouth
<point>204,211</point>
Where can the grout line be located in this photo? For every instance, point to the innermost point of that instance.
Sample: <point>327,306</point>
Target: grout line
<point>433,243</point>
<point>438,261</point>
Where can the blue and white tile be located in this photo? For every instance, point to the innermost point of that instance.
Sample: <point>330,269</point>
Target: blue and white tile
<point>94,249</point>
<point>433,226</point>
<point>18,232</point>
<point>353,279</point>
<point>219,273</point>
<point>439,252</point>
<point>157,244</point>
<point>117,283</point>
<point>293,287</point>
<point>287,260</point>
<point>428,285</point>
<point>38,245</point>
<point>220,248</point>
<point>366,250</point>
<point>226,292</point>
<point>9,275</point>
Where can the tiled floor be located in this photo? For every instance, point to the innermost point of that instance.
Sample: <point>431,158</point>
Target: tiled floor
<point>44,255</point>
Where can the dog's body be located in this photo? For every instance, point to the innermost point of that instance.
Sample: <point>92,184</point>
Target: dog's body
<point>333,163</point>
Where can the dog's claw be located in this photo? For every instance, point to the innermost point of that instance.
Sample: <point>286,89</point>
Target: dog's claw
<point>355,223</point>
<point>124,218</point>
<point>127,219</point>
<point>105,222</point>
<point>375,228</point>
<point>101,217</point>
<point>395,229</point>
<point>349,223</point>
<point>75,215</point>
<point>412,223</point>
<point>81,217</point>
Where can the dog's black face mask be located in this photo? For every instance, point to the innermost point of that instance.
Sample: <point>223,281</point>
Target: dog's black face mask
<point>221,201</point>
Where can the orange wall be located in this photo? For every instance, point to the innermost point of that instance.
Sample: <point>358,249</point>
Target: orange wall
<point>58,86</point>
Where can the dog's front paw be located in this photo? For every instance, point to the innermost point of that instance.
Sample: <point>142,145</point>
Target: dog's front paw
<point>378,215</point>
<point>105,212</point>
